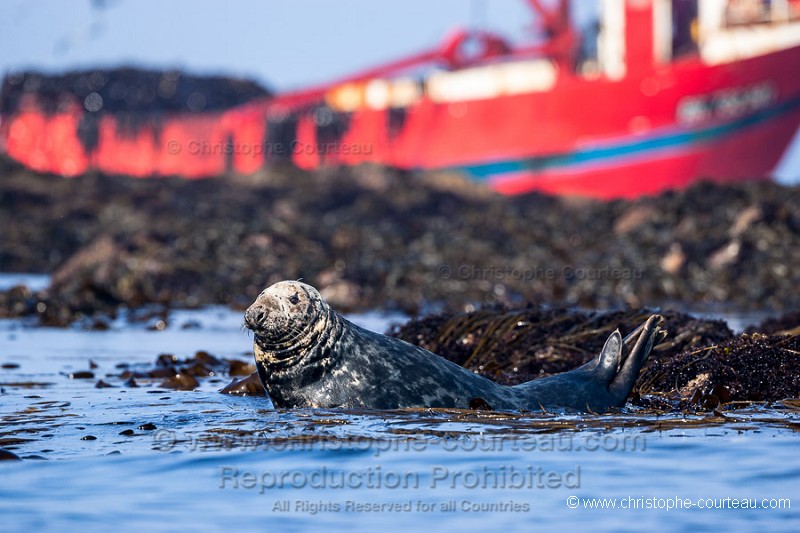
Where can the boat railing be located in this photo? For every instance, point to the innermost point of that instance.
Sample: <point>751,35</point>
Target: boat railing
<point>732,30</point>
<point>750,12</point>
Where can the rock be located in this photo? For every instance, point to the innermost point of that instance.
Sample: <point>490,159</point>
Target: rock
<point>372,237</point>
<point>6,455</point>
<point>249,386</point>
<point>749,367</point>
<point>182,381</point>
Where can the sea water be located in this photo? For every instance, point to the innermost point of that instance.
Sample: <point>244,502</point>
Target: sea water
<point>203,461</point>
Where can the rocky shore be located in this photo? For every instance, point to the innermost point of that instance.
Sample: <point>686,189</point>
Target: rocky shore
<point>372,237</point>
<point>499,280</point>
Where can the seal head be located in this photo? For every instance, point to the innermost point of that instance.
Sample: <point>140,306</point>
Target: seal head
<point>284,317</point>
<point>295,332</point>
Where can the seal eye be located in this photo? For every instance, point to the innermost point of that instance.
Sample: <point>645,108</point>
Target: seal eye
<point>294,299</point>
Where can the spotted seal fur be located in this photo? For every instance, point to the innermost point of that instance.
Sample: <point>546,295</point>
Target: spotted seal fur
<point>307,355</point>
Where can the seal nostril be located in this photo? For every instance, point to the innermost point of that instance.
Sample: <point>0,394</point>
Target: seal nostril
<point>254,316</point>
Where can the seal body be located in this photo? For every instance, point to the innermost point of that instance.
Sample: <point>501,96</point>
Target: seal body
<point>307,355</point>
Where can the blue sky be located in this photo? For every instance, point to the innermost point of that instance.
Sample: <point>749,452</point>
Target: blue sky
<point>282,44</point>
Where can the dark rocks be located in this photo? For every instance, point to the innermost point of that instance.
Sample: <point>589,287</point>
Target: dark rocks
<point>249,386</point>
<point>181,381</point>
<point>241,368</point>
<point>370,237</point>
<point>127,90</point>
<point>6,455</point>
<point>750,367</point>
<point>788,324</point>
<point>173,372</point>
<point>81,374</point>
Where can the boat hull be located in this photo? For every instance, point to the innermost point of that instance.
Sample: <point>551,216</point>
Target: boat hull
<point>648,131</point>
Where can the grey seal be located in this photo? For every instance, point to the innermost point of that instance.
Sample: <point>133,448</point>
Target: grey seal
<point>307,355</point>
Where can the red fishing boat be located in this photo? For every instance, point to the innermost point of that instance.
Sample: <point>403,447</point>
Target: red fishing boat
<point>654,94</point>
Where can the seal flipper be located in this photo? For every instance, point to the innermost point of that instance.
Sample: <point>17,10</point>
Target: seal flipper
<point>631,338</point>
<point>628,342</point>
<point>634,359</point>
<point>610,358</point>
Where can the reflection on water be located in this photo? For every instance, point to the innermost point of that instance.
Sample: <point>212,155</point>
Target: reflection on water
<point>165,460</point>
